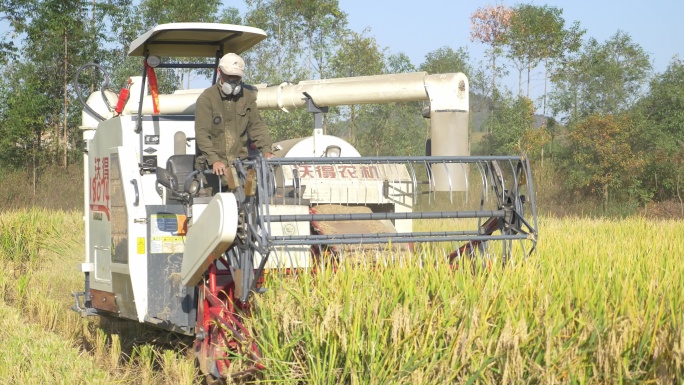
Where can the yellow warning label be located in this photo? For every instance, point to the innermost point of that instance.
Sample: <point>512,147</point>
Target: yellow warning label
<point>141,245</point>
<point>167,245</point>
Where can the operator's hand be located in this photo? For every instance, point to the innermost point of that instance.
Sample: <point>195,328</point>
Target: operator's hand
<point>219,168</point>
<point>268,155</point>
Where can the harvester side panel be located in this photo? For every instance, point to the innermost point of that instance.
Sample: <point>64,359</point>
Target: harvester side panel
<point>117,210</point>
<point>170,304</point>
<point>121,278</point>
<point>113,233</point>
<point>135,222</point>
<point>99,202</point>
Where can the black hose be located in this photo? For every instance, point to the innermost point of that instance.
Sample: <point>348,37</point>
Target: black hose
<point>103,88</point>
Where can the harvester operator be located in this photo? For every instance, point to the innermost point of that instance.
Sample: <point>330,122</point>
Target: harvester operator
<point>227,118</point>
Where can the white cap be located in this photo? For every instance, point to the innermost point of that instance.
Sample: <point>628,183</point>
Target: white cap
<point>232,64</point>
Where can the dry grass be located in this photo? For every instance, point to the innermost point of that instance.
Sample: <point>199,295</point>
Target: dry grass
<point>31,355</point>
<point>599,303</point>
<point>39,252</point>
<point>56,188</point>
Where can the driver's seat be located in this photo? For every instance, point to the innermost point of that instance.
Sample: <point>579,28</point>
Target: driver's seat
<point>181,166</point>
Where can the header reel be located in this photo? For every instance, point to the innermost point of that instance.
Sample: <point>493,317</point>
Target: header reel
<point>395,190</point>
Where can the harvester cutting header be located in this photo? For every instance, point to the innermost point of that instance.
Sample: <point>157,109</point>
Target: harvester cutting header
<point>168,245</point>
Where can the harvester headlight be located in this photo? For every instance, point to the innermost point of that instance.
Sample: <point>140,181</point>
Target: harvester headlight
<point>153,61</point>
<point>333,151</point>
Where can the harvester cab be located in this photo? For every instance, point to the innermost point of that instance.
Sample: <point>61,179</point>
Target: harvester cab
<point>167,247</point>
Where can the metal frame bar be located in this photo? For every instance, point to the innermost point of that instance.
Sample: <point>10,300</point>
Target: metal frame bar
<point>385,216</point>
<point>387,160</point>
<point>351,239</point>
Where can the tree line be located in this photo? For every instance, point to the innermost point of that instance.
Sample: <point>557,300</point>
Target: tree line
<point>610,125</point>
<point>615,129</point>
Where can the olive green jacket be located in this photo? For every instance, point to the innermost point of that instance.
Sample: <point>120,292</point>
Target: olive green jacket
<point>224,123</point>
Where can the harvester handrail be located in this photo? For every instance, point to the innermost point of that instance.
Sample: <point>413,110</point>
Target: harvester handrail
<point>353,239</point>
<point>390,159</point>
<point>383,216</point>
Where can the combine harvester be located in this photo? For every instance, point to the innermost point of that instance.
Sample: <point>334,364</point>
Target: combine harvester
<point>162,249</point>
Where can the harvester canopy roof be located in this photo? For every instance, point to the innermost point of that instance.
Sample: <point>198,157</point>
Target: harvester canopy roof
<point>195,40</point>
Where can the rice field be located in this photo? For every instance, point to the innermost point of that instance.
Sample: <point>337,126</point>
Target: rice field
<point>599,302</point>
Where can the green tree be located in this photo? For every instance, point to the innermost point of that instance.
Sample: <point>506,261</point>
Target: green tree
<point>357,55</point>
<point>57,37</point>
<point>323,23</point>
<point>536,34</point>
<point>664,102</point>
<point>445,60</point>
<point>62,31</point>
<point>24,118</point>
<point>396,129</point>
<point>276,59</point>
<point>488,25</point>
<point>177,11</point>
<point>398,63</point>
<point>663,112</point>
<point>302,38</point>
<point>606,159</point>
<point>509,127</point>
<point>7,47</point>
<point>603,78</point>
<point>302,33</point>
<point>399,129</point>
<point>23,115</point>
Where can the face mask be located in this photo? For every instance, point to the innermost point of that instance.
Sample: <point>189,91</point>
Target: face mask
<point>231,88</point>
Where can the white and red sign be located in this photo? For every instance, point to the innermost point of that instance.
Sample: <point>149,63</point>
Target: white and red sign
<point>99,187</point>
<point>344,171</point>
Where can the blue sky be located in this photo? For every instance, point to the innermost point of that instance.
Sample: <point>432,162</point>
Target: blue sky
<point>418,27</point>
